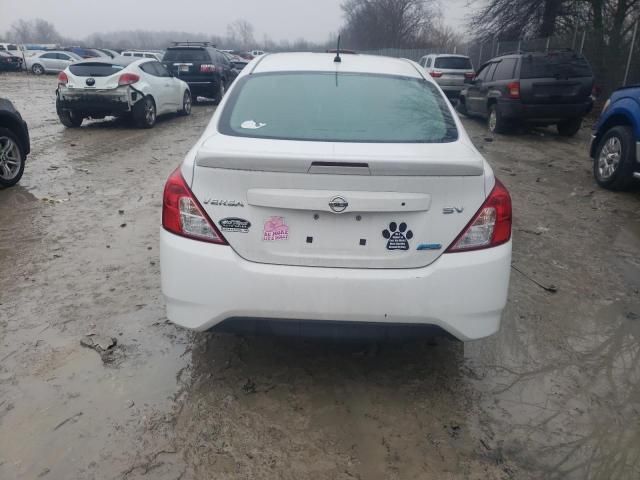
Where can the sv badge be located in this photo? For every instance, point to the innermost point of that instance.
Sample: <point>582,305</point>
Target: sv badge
<point>450,210</point>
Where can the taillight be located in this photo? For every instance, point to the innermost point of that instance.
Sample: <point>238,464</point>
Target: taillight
<point>436,74</point>
<point>207,68</point>
<point>63,79</point>
<point>490,226</point>
<point>128,79</point>
<point>514,90</point>
<point>183,215</point>
<point>469,75</point>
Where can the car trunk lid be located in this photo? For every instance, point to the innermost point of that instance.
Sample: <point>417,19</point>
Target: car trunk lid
<point>335,204</point>
<point>94,75</point>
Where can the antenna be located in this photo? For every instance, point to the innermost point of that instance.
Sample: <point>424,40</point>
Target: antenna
<point>337,59</point>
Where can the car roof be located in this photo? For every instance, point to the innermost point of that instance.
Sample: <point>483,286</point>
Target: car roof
<point>448,55</point>
<point>323,62</point>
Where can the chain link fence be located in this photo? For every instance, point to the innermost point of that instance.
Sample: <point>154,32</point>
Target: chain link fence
<point>613,67</point>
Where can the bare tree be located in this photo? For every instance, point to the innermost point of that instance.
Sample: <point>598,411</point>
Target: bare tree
<point>372,24</point>
<point>240,33</point>
<point>32,31</point>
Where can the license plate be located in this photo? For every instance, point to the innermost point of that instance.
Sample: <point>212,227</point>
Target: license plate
<point>183,68</point>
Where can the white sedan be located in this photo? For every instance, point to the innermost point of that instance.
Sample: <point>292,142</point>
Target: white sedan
<point>51,62</point>
<point>98,88</point>
<point>330,197</point>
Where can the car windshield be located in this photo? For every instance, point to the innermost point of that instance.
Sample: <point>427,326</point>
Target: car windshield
<point>554,65</point>
<point>453,63</point>
<point>343,107</point>
<point>186,55</point>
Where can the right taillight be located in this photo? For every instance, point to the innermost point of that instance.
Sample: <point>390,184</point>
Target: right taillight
<point>128,79</point>
<point>183,215</point>
<point>490,226</point>
<point>513,89</point>
<point>207,68</point>
<point>63,79</point>
<point>469,75</point>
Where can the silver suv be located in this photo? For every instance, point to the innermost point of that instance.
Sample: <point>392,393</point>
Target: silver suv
<point>449,71</point>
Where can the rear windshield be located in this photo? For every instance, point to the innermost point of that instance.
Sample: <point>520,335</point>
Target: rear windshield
<point>186,55</point>
<point>554,65</point>
<point>457,63</point>
<point>343,107</point>
<point>89,69</point>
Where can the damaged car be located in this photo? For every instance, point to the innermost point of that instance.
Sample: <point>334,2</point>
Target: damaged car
<point>140,89</point>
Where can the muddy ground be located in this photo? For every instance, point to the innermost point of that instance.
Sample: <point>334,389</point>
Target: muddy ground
<point>556,394</point>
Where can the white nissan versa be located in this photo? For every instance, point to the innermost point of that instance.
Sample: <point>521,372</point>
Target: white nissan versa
<point>328,194</point>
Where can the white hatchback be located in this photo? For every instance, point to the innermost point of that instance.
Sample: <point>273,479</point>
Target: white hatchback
<point>142,89</point>
<point>333,196</point>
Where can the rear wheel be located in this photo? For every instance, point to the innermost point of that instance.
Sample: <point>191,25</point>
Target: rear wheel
<point>144,113</point>
<point>495,121</point>
<point>186,103</point>
<point>219,94</point>
<point>12,158</point>
<point>614,159</point>
<point>570,127</point>
<point>70,119</point>
<point>37,69</point>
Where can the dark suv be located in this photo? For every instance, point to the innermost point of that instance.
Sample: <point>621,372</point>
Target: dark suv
<point>14,144</point>
<point>543,88</point>
<point>206,69</point>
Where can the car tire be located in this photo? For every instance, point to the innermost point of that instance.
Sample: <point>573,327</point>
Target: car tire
<point>614,159</point>
<point>144,113</point>
<point>186,103</point>
<point>570,127</point>
<point>12,158</point>
<point>219,94</point>
<point>70,119</point>
<point>495,121</point>
<point>37,69</point>
<point>461,107</point>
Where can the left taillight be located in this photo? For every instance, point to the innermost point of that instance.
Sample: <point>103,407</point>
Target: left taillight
<point>436,74</point>
<point>183,215</point>
<point>63,79</point>
<point>490,226</point>
<point>128,79</point>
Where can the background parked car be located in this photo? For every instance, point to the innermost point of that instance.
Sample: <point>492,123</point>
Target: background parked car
<point>615,144</point>
<point>154,55</point>
<point>55,61</point>
<point>10,62</point>
<point>449,71</point>
<point>544,88</point>
<point>142,88</point>
<point>237,63</point>
<point>14,144</point>
<point>205,68</point>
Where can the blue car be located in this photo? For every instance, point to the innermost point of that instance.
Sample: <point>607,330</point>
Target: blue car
<point>615,143</point>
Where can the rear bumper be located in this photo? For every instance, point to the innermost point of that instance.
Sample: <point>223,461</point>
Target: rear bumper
<point>205,284</point>
<point>452,90</point>
<point>116,101</point>
<point>554,111</point>
<point>204,88</point>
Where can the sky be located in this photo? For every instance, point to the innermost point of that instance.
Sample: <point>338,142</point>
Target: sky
<point>313,20</point>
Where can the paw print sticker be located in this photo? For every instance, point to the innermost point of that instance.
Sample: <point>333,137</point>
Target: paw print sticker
<point>397,236</point>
